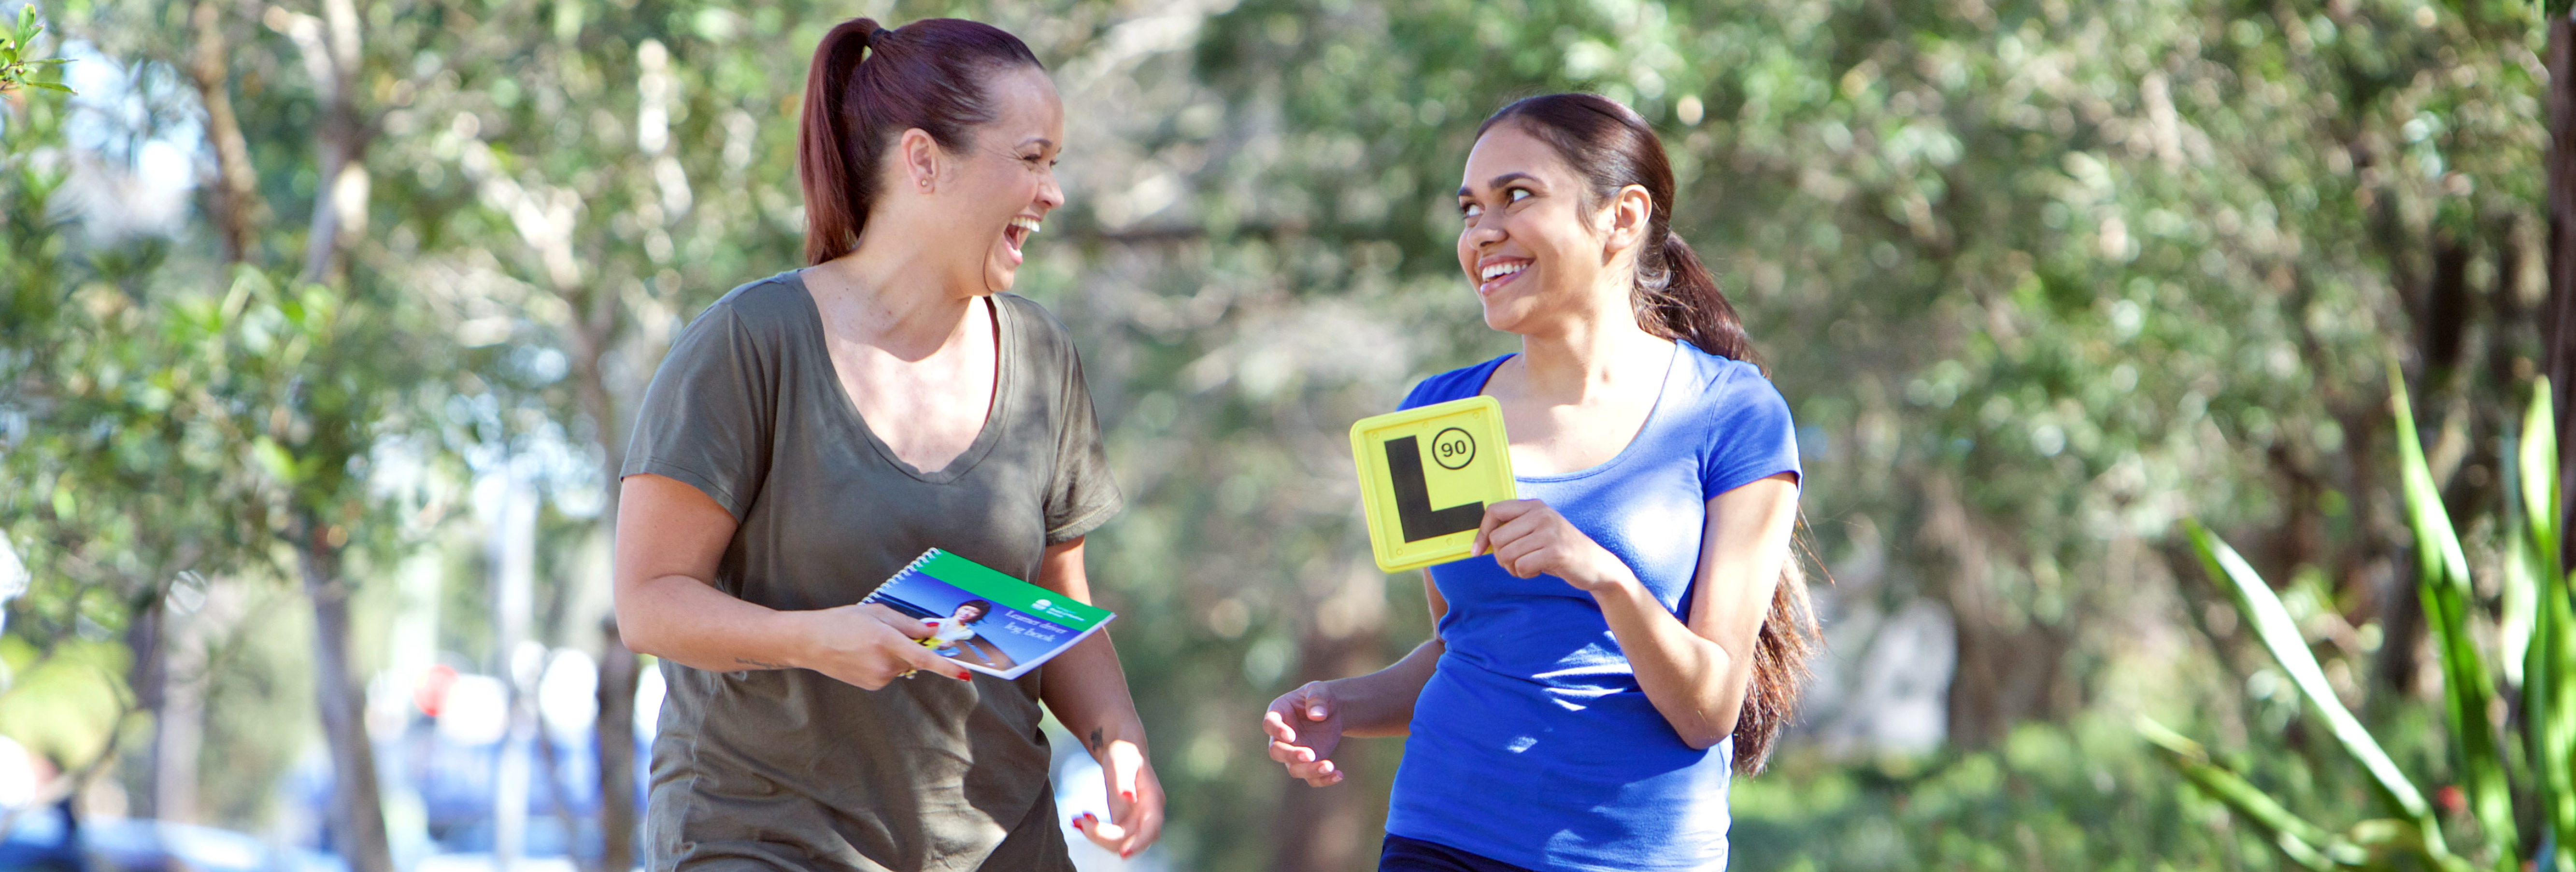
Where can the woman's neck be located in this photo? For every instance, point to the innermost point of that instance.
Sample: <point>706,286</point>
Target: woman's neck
<point>894,296</point>
<point>1589,354</point>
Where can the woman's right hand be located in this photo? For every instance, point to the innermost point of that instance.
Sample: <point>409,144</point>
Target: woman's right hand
<point>1305,725</point>
<point>869,645</point>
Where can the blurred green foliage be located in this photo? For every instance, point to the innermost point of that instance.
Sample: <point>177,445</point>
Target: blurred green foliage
<point>2076,796</point>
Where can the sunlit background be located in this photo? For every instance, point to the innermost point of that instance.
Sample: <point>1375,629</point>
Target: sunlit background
<point>323,322</point>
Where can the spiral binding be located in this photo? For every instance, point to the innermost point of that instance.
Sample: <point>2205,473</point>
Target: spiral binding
<point>916,563</point>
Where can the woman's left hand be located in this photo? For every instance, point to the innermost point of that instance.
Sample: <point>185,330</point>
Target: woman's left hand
<point>1528,537</point>
<point>1135,801</point>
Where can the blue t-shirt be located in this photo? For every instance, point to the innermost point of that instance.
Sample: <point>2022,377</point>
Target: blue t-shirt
<point>1532,743</point>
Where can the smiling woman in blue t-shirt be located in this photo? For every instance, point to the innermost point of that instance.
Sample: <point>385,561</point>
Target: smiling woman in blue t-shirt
<point>1637,628</point>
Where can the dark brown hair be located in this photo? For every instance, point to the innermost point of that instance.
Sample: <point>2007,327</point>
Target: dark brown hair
<point>868,85</point>
<point>1675,297</point>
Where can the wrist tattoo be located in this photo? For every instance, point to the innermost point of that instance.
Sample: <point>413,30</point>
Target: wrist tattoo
<point>759,664</point>
<point>1096,743</point>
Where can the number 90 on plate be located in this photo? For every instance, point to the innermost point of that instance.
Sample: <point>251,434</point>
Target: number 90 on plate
<point>1426,476</point>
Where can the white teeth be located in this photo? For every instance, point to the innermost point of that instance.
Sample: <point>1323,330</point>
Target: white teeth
<point>1501,269</point>
<point>1025,223</point>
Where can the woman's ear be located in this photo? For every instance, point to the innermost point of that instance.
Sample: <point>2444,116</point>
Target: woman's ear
<point>1630,211</point>
<point>919,161</point>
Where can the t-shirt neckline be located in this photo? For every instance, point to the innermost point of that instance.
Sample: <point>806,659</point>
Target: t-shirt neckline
<point>1672,368</point>
<point>1005,352</point>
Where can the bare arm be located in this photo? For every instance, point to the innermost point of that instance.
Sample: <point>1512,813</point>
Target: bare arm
<point>1308,723</point>
<point>1086,688</point>
<point>670,537</point>
<point>1696,674</point>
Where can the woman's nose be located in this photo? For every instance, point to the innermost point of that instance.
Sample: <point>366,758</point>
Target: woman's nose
<point>1050,194</point>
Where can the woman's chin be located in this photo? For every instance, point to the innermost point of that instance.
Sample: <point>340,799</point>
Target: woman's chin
<point>998,278</point>
<point>1504,315</point>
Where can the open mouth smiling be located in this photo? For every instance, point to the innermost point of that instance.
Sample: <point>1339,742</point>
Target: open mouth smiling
<point>1496,273</point>
<point>1017,234</point>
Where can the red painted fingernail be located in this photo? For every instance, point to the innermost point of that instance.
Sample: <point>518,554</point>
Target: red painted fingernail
<point>962,676</point>
<point>1129,796</point>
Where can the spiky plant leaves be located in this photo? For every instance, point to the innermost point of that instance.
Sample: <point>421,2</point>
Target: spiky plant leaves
<point>2280,636</point>
<point>2304,843</point>
<point>2443,581</point>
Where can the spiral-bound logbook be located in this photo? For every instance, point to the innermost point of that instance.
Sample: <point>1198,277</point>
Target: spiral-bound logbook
<point>984,620</point>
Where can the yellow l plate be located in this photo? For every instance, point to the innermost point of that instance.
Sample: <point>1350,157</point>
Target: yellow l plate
<point>1426,476</point>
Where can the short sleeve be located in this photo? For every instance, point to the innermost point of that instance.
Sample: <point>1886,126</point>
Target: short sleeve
<point>1751,437</point>
<point>1456,384</point>
<point>706,418</point>
<point>1417,397</point>
<point>1083,495</point>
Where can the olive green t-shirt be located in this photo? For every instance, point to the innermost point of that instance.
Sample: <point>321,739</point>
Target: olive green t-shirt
<point>793,769</point>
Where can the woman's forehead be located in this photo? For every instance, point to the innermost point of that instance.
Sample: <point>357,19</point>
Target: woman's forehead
<point>1026,106</point>
<point>1507,149</point>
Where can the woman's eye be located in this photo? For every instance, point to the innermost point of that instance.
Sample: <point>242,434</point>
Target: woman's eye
<point>1470,210</point>
<point>1517,195</point>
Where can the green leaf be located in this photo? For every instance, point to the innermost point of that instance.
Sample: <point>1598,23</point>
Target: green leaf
<point>2304,843</point>
<point>2517,617</point>
<point>2549,699</point>
<point>2280,636</point>
<point>2443,582</point>
<point>50,87</point>
<point>2540,505</point>
<point>277,460</point>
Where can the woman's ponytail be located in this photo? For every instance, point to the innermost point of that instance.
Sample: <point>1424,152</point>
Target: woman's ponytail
<point>1676,297</point>
<point>869,84</point>
<point>1788,639</point>
<point>835,197</point>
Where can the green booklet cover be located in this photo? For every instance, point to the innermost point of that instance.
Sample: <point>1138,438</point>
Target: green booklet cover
<point>984,620</point>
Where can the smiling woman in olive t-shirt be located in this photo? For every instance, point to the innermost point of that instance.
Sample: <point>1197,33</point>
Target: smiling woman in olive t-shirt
<point>811,433</point>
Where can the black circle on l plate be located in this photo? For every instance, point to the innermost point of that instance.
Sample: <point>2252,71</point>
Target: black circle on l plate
<point>1440,449</point>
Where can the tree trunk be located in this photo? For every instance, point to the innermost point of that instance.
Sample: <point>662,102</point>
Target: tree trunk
<point>616,737</point>
<point>2560,355</point>
<point>2444,330</point>
<point>2007,671</point>
<point>331,49</point>
<point>357,808</point>
<point>590,331</point>
<point>169,683</point>
<point>149,676</point>
<point>1320,829</point>
<point>179,731</point>
<point>1325,828</point>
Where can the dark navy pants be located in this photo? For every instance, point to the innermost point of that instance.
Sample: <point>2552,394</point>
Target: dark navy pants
<point>1415,855</point>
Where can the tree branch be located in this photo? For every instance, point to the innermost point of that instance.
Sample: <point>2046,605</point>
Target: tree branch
<point>234,196</point>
